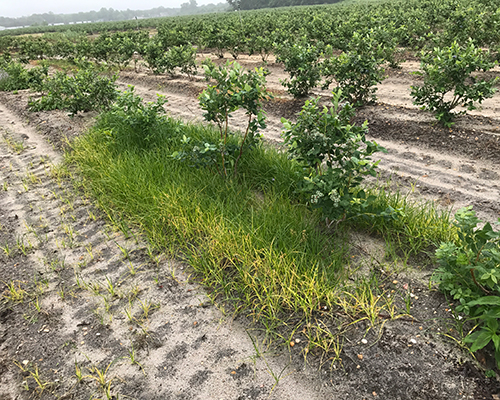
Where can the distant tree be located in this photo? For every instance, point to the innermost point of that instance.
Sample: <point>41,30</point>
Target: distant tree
<point>192,5</point>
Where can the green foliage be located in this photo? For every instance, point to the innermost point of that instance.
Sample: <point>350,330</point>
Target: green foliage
<point>358,70</point>
<point>470,272</point>
<point>335,155</point>
<point>233,89</point>
<point>117,49</point>
<point>86,90</point>
<point>103,48</point>
<point>34,48</point>
<point>182,57</point>
<point>161,59</point>
<point>83,48</point>
<point>14,76</point>
<point>64,48</point>
<point>301,59</point>
<point>221,38</point>
<point>154,55</point>
<point>260,44</point>
<point>475,22</point>
<point>412,23</point>
<point>130,122</point>
<point>253,4</point>
<point>203,153</point>
<point>449,80</point>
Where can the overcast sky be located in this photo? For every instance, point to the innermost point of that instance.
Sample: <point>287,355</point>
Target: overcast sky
<point>19,8</point>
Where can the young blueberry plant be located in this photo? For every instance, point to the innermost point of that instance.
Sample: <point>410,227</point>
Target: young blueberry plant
<point>469,271</point>
<point>234,88</point>
<point>301,59</point>
<point>357,70</point>
<point>449,80</point>
<point>335,155</point>
<point>85,90</point>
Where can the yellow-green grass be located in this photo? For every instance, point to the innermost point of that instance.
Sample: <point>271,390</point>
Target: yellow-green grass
<point>248,238</point>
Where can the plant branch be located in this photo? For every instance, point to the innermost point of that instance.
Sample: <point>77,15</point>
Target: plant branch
<point>242,143</point>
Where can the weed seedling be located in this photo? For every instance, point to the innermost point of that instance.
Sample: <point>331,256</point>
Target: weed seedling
<point>78,373</point>
<point>134,292</point>
<point>125,252</point>
<point>132,269</point>
<point>111,288</point>
<point>32,319</point>
<point>6,249</point>
<point>100,376</point>
<point>80,282</point>
<point>128,313</point>
<point>258,354</point>
<point>36,304</point>
<point>15,292</point>
<point>107,306</point>
<point>91,216</point>
<point>33,178</point>
<point>408,303</point>
<point>34,373</point>
<point>41,383</point>
<point>16,147</point>
<point>68,230</point>
<point>133,359</point>
<point>147,306</point>
<point>89,251</point>
<point>23,247</point>
<point>95,287</point>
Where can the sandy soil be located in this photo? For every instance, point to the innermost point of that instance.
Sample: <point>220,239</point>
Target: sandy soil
<point>138,326</point>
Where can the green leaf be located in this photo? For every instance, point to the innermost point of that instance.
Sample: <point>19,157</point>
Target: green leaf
<point>486,300</point>
<point>496,341</point>
<point>479,339</point>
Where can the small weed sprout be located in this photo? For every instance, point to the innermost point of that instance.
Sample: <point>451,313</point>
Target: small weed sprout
<point>147,306</point>
<point>89,251</point>
<point>15,146</point>
<point>111,287</point>
<point>6,249</point>
<point>128,313</point>
<point>100,376</point>
<point>14,292</point>
<point>95,287</point>
<point>133,358</point>
<point>131,268</point>
<point>36,304</point>
<point>78,373</point>
<point>125,252</point>
<point>22,246</point>
<point>258,354</point>
<point>34,373</point>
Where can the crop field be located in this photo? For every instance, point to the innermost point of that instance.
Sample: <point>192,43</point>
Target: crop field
<point>295,203</point>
